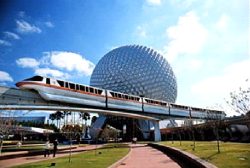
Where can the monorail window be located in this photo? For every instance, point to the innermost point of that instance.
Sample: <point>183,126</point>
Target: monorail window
<point>126,96</point>
<point>87,89</point>
<point>112,94</point>
<point>61,83</point>
<point>99,91</point>
<point>35,78</point>
<point>82,88</point>
<point>48,81</point>
<point>71,85</point>
<point>66,84</point>
<point>77,87</point>
<point>91,90</point>
<point>163,104</point>
<point>119,95</point>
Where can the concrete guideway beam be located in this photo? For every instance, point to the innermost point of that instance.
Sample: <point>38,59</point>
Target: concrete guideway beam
<point>14,96</point>
<point>77,109</point>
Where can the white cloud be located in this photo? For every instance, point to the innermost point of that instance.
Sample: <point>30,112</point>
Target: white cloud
<point>71,61</point>
<point>183,3</point>
<point>141,32</point>
<point>223,22</point>
<point>51,72</point>
<point>49,24</point>
<point>27,62</point>
<point>216,88</point>
<point>187,37</point>
<point>4,43</point>
<point>51,62</point>
<point>25,27</point>
<point>5,77</point>
<point>154,2</point>
<point>11,35</point>
<point>195,64</point>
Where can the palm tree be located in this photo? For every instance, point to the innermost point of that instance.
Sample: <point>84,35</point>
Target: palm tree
<point>52,117</point>
<point>65,116</point>
<point>85,117</point>
<point>58,116</point>
<point>94,118</point>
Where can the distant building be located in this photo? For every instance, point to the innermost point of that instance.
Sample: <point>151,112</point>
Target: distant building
<point>32,119</point>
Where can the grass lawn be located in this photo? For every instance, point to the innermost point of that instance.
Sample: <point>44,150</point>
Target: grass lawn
<point>231,155</point>
<point>101,158</point>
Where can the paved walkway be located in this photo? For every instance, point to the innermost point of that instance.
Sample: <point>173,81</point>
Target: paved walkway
<point>143,156</point>
<point>29,159</point>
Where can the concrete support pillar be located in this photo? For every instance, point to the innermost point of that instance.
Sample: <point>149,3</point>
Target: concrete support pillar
<point>145,128</point>
<point>157,132</point>
<point>97,126</point>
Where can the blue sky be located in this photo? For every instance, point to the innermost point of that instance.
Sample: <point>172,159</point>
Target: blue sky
<point>206,42</point>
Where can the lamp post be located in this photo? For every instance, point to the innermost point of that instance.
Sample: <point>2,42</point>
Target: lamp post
<point>21,134</point>
<point>1,143</point>
<point>70,139</point>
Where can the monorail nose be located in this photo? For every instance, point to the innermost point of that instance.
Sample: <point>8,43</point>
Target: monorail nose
<point>18,84</point>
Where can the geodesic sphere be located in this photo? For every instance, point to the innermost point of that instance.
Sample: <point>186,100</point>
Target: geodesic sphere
<point>136,70</point>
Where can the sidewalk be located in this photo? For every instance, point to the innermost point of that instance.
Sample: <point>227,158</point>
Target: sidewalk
<point>145,156</point>
<point>29,159</point>
<point>16,154</point>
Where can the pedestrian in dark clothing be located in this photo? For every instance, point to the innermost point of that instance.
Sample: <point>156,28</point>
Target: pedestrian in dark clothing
<point>55,143</point>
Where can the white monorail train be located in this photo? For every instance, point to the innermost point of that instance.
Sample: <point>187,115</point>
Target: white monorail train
<point>57,90</point>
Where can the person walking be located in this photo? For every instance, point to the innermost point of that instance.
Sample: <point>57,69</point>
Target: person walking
<point>55,144</point>
<point>47,148</point>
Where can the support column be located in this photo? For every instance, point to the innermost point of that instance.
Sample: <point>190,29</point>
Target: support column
<point>97,126</point>
<point>157,132</point>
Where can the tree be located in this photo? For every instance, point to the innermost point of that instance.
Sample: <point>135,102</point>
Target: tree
<point>109,133</point>
<point>94,118</point>
<point>216,124</point>
<point>58,117</point>
<point>240,99</point>
<point>52,117</point>
<point>189,125</point>
<point>71,128</point>
<point>6,124</point>
<point>65,116</point>
<point>85,117</point>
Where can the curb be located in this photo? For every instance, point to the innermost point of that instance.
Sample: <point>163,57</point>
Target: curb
<point>185,157</point>
<point>119,162</point>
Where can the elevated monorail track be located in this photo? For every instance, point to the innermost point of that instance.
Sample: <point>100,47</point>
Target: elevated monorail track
<point>17,99</point>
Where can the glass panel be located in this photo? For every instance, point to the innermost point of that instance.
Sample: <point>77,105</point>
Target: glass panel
<point>61,83</point>
<point>47,81</point>
<point>35,78</point>
<point>91,90</point>
<point>71,85</point>
<point>77,87</point>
